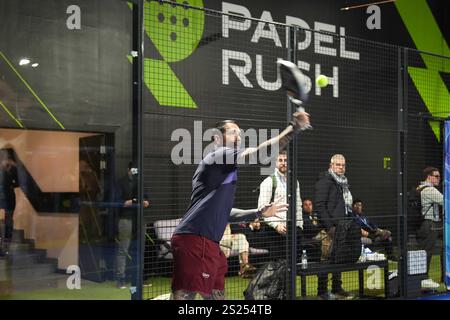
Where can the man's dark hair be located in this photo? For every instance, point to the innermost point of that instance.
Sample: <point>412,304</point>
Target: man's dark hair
<point>355,201</point>
<point>7,154</point>
<point>307,199</point>
<point>282,152</point>
<point>428,171</point>
<point>131,164</point>
<point>220,127</point>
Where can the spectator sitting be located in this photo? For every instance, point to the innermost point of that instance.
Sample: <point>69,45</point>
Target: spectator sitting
<point>253,231</point>
<point>314,237</point>
<point>310,223</point>
<point>371,235</point>
<point>231,242</point>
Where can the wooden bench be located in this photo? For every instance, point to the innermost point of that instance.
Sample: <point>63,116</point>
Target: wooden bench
<point>318,268</point>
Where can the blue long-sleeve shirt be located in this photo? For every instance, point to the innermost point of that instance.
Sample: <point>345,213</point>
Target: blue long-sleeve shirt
<point>365,223</point>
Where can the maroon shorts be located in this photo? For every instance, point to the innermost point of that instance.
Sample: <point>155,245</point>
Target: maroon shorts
<point>199,264</point>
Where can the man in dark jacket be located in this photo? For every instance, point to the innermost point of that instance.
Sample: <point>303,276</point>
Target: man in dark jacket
<point>8,182</point>
<point>313,235</point>
<point>127,193</point>
<point>311,225</point>
<point>332,203</point>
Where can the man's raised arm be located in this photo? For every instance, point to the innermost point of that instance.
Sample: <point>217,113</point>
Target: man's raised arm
<point>299,123</point>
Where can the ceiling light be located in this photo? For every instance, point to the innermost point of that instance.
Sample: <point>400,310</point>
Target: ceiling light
<point>34,65</point>
<point>24,62</point>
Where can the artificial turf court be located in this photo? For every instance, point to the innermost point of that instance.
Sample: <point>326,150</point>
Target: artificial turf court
<point>234,287</point>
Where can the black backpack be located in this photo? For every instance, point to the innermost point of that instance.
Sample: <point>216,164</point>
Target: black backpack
<point>269,283</point>
<point>346,246</point>
<point>415,217</point>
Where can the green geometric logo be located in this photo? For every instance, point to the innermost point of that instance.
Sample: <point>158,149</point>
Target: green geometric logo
<point>427,37</point>
<point>176,32</point>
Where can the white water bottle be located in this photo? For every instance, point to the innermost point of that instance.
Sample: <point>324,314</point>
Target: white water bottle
<point>363,253</point>
<point>304,260</point>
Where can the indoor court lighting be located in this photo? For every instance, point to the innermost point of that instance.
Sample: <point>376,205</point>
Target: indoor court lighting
<point>24,62</point>
<point>34,65</point>
<point>367,4</point>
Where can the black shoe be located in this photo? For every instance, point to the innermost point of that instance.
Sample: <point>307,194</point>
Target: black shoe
<point>342,294</point>
<point>121,284</point>
<point>3,253</point>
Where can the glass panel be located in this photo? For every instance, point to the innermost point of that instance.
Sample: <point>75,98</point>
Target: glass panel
<point>66,128</point>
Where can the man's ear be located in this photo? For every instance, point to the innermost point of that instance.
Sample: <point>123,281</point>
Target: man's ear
<point>217,139</point>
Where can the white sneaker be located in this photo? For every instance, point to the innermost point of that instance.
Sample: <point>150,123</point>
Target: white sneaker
<point>165,296</point>
<point>430,284</point>
<point>375,256</point>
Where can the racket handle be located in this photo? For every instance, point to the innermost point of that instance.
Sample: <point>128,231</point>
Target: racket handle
<point>300,109</point>
<point>307,127</point>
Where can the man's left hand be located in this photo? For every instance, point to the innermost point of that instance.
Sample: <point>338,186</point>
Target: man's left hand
<point>271,210</point>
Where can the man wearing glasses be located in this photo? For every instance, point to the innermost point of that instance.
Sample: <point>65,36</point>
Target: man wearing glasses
<point>431,228</point>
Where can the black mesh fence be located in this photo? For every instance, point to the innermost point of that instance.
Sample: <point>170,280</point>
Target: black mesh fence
<point>228,77</point>
<point>364,184</point>
<point>427,103</point>
<point>204,66</point>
